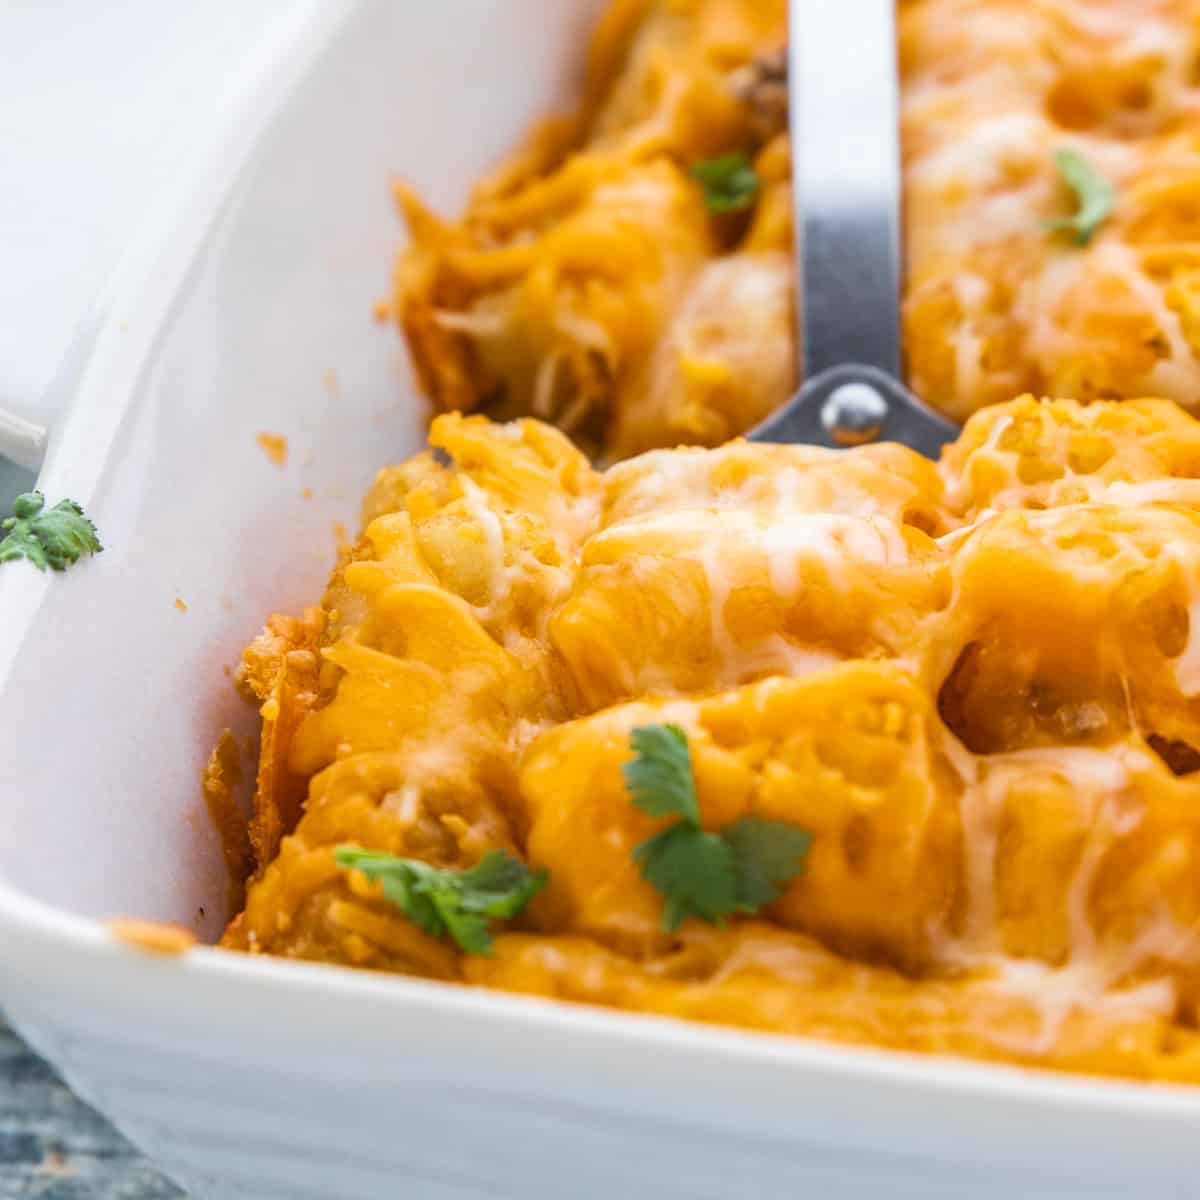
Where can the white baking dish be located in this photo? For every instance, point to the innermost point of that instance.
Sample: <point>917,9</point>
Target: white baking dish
<point>247,310</point>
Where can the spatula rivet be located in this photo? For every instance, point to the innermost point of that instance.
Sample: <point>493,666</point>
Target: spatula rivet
<point>854,413</point>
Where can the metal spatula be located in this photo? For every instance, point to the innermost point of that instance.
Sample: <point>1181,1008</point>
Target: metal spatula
<point>844,119</point>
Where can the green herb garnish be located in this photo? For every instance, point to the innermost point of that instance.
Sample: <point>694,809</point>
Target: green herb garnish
<point>1094,196</point>
<point>441,902</point>
<point>730,182</point>
<point>701,874</point>
<point>769,855</point>
<point>47,537</point>
<point>659,777</point>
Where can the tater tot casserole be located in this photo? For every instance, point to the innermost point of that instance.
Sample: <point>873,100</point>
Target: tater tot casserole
<point>605,704</point>
<point>588,284</point>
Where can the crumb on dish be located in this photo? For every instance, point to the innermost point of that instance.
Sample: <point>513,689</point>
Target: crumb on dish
<point>156,937</point>
<point>274,446</point>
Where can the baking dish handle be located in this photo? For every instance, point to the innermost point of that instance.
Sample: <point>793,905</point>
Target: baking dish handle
<point>25,440</point>
<point>22,442</point>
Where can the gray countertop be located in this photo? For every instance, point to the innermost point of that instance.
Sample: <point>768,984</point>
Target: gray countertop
<point>54,1147</point>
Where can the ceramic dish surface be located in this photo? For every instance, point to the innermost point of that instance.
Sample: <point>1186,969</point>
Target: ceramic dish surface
<point>246,309</point>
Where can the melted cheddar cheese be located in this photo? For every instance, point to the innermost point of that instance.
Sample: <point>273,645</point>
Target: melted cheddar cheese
<point>586,284</point>
<point>976,684</point>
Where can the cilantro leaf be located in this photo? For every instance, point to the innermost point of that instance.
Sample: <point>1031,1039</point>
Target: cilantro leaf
<point>499,885</point>
<point>730,182</point>
<point>701,874</point>
<point>659,777</point>
<point>467,927</point>
<point>442,902</point>
<point>1094,195</point>
<point>769,855</point>
<point>695,871</point>
<point>54,537</point>
<point>404,882</point>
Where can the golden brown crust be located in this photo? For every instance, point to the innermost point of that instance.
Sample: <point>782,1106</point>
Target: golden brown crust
<point>280,670</point>
<point>220,786</point>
